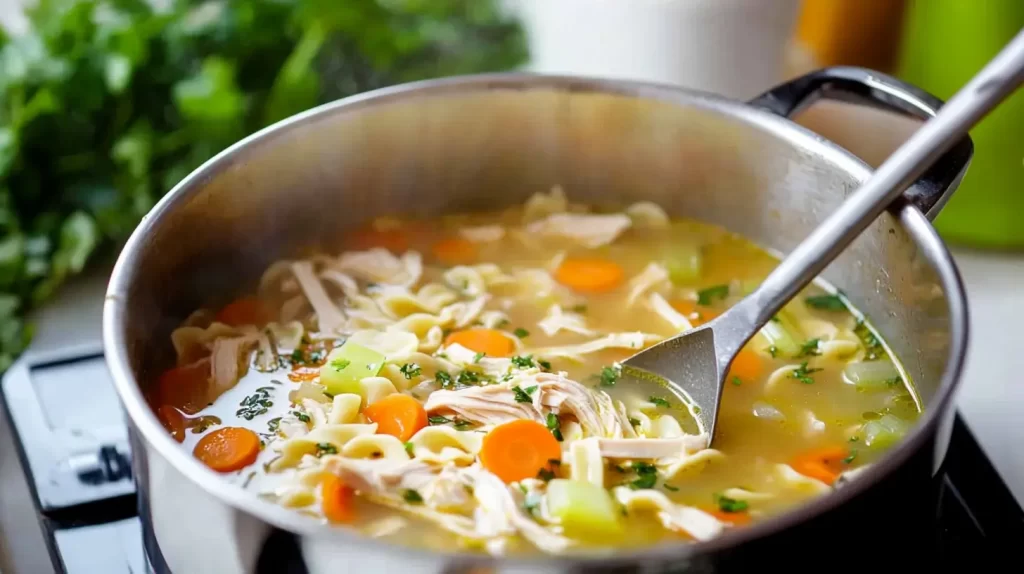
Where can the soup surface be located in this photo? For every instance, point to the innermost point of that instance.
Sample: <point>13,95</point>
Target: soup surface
<point>454,383</point>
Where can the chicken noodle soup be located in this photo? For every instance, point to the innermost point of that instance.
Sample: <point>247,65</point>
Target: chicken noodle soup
<point>454,383</point>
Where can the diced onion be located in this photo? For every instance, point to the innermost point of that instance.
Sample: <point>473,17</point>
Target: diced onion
<point>871,375</point>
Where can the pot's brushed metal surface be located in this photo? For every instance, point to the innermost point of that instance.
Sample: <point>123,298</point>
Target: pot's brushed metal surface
<point>477,142</point>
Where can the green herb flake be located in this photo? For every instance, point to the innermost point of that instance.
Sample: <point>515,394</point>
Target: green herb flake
<point>897,380</point>
<point>523,395</point>
<point>873,347</point>
<point>521,333</point>
<point>410,448</point>
<point>274,424</point>
<point>411,370</point>
<point>803,374</point>
<point>634,422</point>
<point>581,308</point>
<point>323,448</point>
<point>411,496</point>
<point>737,381</point>
<point>773,351</point>
<point>438,420</point>
<point>853,455</point>
<point>444,379</point>
<point>647,475</point>
<point>660,402</point>
<point>670,487</point>
<point>478,356</point>
<point>303,417</point>
<point>826,302</point>
<point>340,364</point>
<point>523,362</point>
<point>610,375</point>
<point>555,426</point>
<point>461,424</point>
<point>545,474</point>
<point>809,348</point>
<point>726,504</point>
<point>256,404</point>
<point>544,364</point>
<point>708,296</point>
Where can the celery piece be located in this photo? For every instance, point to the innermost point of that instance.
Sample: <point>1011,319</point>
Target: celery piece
<point>782,336</point>
<point>683,263</point>
<point>585,510</point>
<point>347,365</point>
<point>884,432</point>
<point>872,375</point>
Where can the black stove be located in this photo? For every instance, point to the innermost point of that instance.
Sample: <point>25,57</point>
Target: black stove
<point>72,442</point>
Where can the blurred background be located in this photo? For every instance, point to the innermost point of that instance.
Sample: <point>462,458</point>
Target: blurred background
<point>106,104</point>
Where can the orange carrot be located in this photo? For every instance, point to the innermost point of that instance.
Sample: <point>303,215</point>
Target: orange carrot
<point>490,342</point>
<point>746,366</point>
<point>300,374</point>
<point>398,415</point>
<point>519,449</point>
<point>735,518</point>
<point>824,464</point>
<point>696,316</point>
<point>173,421</point>
<point>245,311</point>
<point>338,499</point>
<point>185,387</point>
<point>454,251</point>
<point>394,240</point>
<point>228,449</point>
<point>590,275</point>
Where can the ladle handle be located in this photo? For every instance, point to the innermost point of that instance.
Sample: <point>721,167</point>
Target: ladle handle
<point>997,80</point>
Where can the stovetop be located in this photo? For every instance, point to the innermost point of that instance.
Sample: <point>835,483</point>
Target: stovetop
<point>72,444</point>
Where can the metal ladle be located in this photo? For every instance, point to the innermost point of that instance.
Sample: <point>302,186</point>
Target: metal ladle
<point>697,360</point>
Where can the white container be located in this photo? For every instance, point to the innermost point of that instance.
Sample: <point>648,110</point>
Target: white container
<point>732,47</point>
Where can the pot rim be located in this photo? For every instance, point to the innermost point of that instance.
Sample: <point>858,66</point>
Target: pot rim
<point>145,421</point>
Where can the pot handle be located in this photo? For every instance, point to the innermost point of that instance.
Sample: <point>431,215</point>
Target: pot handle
<point>878,90</point>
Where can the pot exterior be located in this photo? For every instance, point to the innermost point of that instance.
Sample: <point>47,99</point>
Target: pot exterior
<point>486,142</point>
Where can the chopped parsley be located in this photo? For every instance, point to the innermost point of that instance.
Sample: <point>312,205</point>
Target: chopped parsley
<point>460,424</point>
<point>660,402</point>
<point>444,379</point>
<point>803,374</point>
<point>478,356</point>
<point>438,420</point>
<point>523,362</point>
<point>467,378</point>
<point>255,404</point>
<point>726,504</point>
<point>773,351</point>
<point>521,332</point>
<point>897,380</point>
<point>708,296</point>
<point>409,447</point>
<point>523,395</point>
<point>274,424</point>
<point>411,370</point>
<point>873,347</point>
<point>634,422</point>
<point>411,496</point>
<point>340,364</point>
<point>809,348</point>
<point>647,475</point>
<point>544,364</point>
<point>826,302</point>
<point>737,381</point>
<point>670,487</point>
<point>853,455</point>
<point>555,426</point>
<point>303,417</point>
<point>323,448</point>
<point>610,375</point>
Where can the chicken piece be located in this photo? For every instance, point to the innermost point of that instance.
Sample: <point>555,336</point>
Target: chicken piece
<point>697,523</point>
<point>589,230</point>
<point>652,448</point>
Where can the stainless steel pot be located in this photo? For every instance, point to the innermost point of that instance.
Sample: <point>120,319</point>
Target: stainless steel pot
<point>474,142</point>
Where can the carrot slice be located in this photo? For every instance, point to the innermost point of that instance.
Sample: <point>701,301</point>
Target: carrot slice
<point>173,421</point>
<point>185,387</point>
<point>590,275</point>
<point>394,240</point>
<point>697,317</point>
<point>398,415</point>
<point>454,251</point>
<point>337,499</point>
<point>746,366</point>
<point>228,449</point>
<point>741,518</point>
<point>824,464</point>
<point>519,449</point>
<point>245,311</point>
<point>490,342</point>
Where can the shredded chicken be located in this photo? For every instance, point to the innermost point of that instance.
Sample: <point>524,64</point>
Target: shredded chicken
<point>696,523</point>
<point>587,229</point>
<point>329,317</point>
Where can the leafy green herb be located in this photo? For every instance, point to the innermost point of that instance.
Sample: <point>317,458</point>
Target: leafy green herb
<point>658,401</point>
<point>737,381</point>
<point>411,496</point>
<point>478,356</point>
<point>255,404</point>
<point>105,105</point>
<point>610,375</point>
<point>521,333</point>
<point>634,422</point>
<point>410,448</point>
<point>773,351</point>
<point>444,379</point>
<point>803,374</point>
<point>467,378</point>
<point>809,348</point>
<point>274,424</point>
<point>461,424</point>
<point>826,302</point>
<point>523,395</point>
<point>696,410</point>
<point>711,294</point>
<point>303,417</point>
<point>554,425</point>
<point>438,420</point>
<point>411,370</point>
<point>727,504</point>
<point>323,448</point>
<point>544,364</point>
<point>873,347</point>
<point>523,362</point>
<point>853,455</point>
<point>897,380</point>
<point>502,324</point>
<point>775,319</point>
<point>670,487</point>
<point>647,475</point>
<point>545,474</point>
<point>340,364</point>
